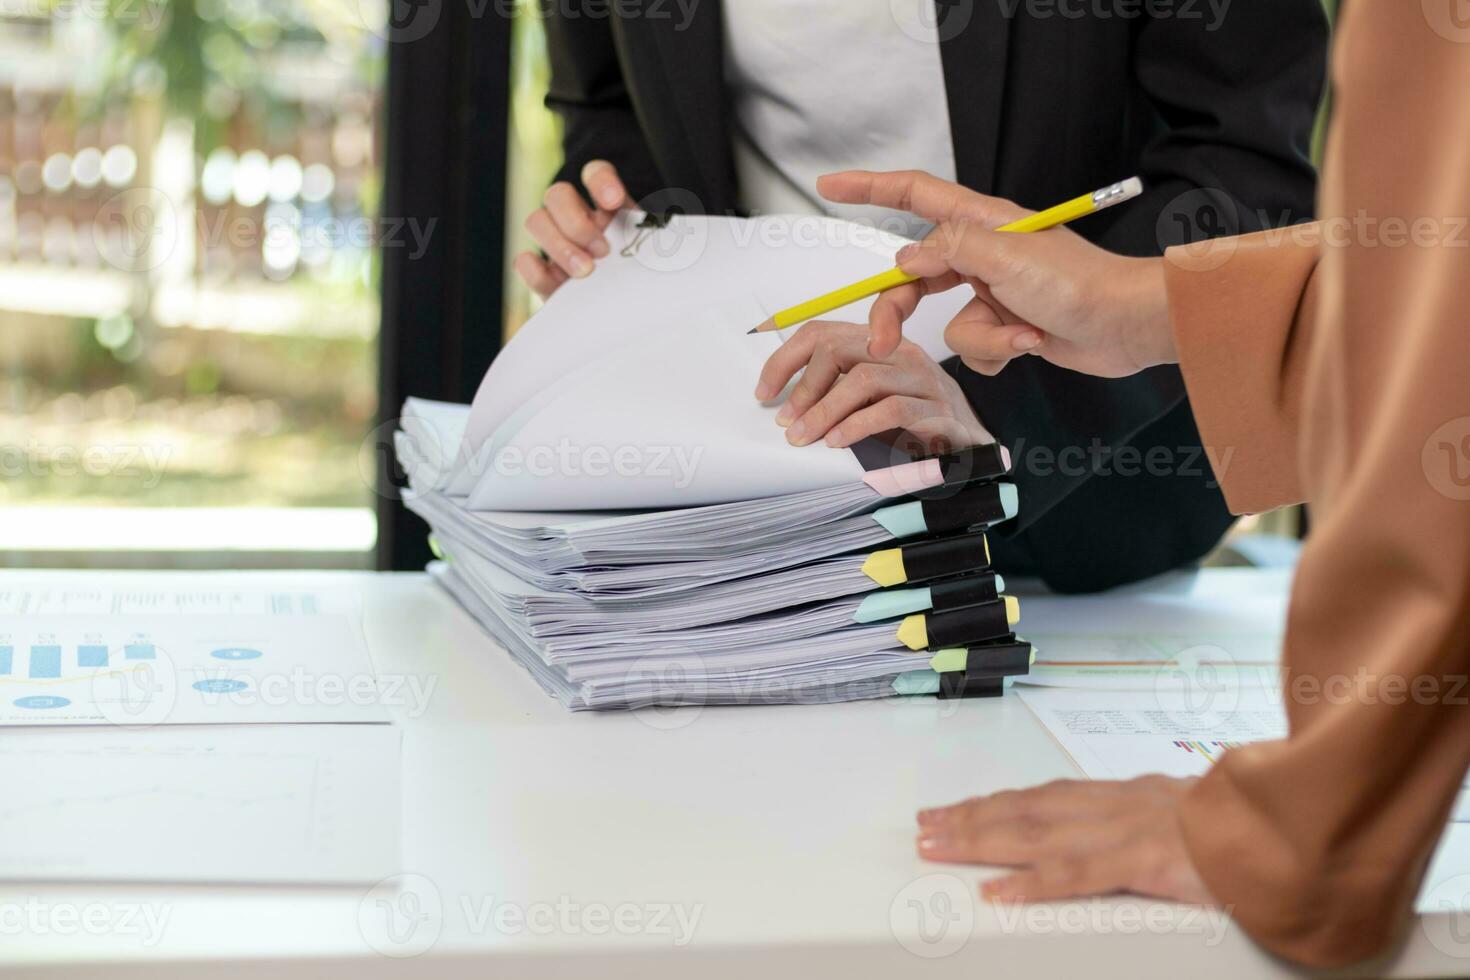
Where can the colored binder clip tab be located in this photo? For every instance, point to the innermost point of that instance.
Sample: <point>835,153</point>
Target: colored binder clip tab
<point>952,470</point>
<point>1007,657</point>
<point>916,682</point>
<point>953,593</point>
<point>926,560</point>
<point>980,505</point>
<point>960,627</point>
<point>983,669</point>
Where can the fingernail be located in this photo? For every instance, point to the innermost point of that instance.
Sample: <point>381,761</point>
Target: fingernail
<point>835,439</point>
<point>581,268</point>
<point>1026,341</point>
<point>927,816</point>
<point>609,198</point>
<point>785,415</point>
<point>796,435</point>
<point>763,391</point>
<point>906,253</point>
<point>929,844</point>
<point>599,249</point>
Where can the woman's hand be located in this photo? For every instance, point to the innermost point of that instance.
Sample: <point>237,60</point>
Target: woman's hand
<point>1072,838</point>
<point>1049,293</point>
<point>570,232</point>
<point>844,395</point>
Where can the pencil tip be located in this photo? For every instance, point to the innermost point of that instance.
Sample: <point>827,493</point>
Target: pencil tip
<point>752,330</point>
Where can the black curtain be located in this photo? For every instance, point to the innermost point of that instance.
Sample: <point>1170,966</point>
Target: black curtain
<point>448,100</point>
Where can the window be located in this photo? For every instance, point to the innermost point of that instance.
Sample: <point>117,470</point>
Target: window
<point>188,295</point>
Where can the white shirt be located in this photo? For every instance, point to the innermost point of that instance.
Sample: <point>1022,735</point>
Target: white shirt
<point>824,85</point>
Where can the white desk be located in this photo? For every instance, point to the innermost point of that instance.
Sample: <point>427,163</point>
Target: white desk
<point>788,831</point>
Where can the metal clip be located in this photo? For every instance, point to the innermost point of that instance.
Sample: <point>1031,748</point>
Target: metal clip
<point>650,224</point>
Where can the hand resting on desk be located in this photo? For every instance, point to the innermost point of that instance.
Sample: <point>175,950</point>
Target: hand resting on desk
<point>1072,838</point>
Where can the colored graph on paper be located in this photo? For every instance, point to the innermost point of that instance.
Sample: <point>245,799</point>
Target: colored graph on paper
<point>184,669</point>
<point>1209,751</point>
<point>1125,734</point>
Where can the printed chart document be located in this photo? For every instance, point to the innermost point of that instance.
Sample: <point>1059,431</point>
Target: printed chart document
<point>1126,734</point>
<point>1130,661</point>
<point>168,594</point>
<point>184,668</point>
<point>1201,629</point>
<point>261,803</point>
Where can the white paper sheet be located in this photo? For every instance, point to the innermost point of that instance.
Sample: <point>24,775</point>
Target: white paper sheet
<point>169,594</point>
<point>663,421</point>
<point>184,669</point>
<point>1131,661</point>
<point>1188,633</point>
<point>297,804</point>
<point>649,357</point>
<point>1125,734</point>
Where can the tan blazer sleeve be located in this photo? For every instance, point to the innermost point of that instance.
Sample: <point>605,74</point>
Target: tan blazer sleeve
<point>1249,305</point>
<point>1318,843</point>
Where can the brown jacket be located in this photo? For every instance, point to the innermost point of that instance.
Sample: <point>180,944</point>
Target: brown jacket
<point>1332,364</point>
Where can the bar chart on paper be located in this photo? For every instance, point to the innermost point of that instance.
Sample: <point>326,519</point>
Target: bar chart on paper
<point>166,594</point>
<point>183,669</point>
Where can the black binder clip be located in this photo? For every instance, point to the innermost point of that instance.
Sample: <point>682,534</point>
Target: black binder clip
<point>986,668</point>
<point>961,685</point>
<point>651,223</point>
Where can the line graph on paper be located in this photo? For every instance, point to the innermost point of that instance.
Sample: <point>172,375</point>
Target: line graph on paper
<point>200,803</point>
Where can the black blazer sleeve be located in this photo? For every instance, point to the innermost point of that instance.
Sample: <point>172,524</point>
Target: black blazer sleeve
<point>1233,103</point>
<point>1236,100</point>
<point>588,92</point>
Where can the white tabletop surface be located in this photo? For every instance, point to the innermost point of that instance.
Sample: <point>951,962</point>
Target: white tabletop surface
<point>723,842</point>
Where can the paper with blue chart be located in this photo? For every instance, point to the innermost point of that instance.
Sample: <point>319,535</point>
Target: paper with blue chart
<point>183,668</point>
<point>168,593</point>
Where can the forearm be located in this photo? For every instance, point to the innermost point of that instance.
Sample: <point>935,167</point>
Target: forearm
<point>588,92</point>
<point>1236,103</point>
<point>1241,312</point>
<point>1318,843</point>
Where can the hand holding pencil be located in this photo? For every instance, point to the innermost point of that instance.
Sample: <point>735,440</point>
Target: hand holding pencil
<point>1053,295</point>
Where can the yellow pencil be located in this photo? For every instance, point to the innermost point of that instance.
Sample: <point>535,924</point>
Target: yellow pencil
<point>1062,213</point>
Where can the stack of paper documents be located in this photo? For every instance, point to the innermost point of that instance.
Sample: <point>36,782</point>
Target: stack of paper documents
<point>632,526</point>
